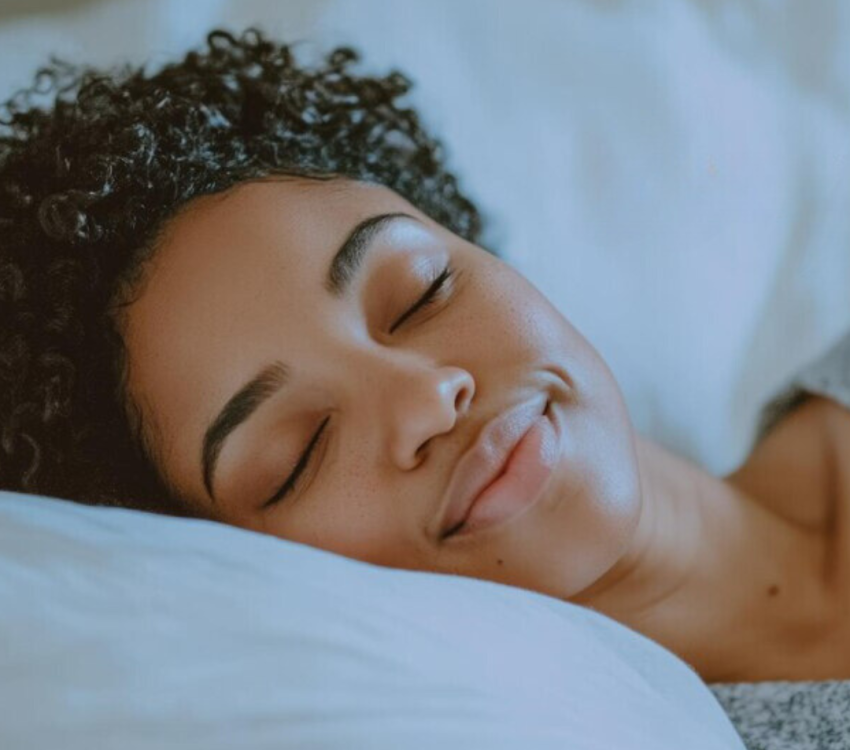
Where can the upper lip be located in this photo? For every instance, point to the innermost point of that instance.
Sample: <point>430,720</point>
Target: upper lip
<point>484,461</point>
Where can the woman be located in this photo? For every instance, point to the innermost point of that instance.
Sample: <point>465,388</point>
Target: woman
<point>251,291</point>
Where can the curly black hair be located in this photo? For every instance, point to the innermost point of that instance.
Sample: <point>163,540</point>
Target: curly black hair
<point>87,184</point>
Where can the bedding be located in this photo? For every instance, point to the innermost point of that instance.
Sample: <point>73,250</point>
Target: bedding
<point>127,630</point>
<point>805,715</point>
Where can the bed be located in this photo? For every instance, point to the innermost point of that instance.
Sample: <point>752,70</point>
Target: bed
<point>688,160</point>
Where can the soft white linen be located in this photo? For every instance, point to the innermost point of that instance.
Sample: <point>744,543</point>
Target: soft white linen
<point>126,630</point>
<point>674,175</point>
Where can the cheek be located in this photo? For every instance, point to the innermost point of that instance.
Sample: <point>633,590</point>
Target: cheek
<point>509,309</point>
<point>353,517</point>
<point>531,331</point>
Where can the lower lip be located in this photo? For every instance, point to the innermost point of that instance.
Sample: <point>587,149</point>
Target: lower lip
<point>520,486</point>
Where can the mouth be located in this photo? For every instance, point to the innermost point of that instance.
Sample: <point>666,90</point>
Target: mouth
<point>503,472</point>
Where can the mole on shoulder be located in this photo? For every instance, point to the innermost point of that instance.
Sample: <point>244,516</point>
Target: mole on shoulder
<point>499,560</point>
<point>773,590</point>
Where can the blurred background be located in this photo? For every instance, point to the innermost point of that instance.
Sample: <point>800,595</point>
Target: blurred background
<point>673,174</point>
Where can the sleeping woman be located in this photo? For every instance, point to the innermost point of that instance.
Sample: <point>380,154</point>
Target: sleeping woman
<point>249,290</point>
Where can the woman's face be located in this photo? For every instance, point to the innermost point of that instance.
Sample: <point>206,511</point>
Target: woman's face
<point>387,395</point>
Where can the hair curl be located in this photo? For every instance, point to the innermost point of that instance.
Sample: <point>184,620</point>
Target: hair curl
<point>86,186</point>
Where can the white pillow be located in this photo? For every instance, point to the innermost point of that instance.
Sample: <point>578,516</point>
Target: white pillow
<point>122,629</point>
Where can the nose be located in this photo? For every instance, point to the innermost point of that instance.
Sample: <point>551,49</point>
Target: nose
<point>424,404</point>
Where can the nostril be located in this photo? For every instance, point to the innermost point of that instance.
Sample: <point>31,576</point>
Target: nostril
<point>420,451</point>
<point>463,399</point>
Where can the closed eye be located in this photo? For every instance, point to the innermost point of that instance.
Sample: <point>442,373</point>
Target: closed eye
<point>292,480</point>
<point>428,297</point>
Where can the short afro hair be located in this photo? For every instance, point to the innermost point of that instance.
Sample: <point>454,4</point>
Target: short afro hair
<point>87,183</point>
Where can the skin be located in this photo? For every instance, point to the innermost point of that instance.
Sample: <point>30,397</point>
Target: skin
<point>623,525</point>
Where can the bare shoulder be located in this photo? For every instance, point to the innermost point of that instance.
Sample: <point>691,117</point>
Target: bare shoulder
<point>801,472</point>
<point>792,470</point>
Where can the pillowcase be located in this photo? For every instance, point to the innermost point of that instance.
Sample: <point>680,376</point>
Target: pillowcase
<point>122,629</point>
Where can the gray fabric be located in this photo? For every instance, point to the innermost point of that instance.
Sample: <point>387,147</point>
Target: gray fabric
<point>788,715</point>
<point>812,715</point>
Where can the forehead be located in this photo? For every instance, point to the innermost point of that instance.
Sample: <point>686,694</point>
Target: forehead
<point>227,265</point>
<point>225,245</point>
<point>288,218</point>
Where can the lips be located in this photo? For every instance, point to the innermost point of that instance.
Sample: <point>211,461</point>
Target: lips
<point>486,459</point>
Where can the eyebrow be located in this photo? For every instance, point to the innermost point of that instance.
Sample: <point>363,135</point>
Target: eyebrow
<point>341,272</point>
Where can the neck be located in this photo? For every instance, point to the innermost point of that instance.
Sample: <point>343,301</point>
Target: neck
<point>714,576</point>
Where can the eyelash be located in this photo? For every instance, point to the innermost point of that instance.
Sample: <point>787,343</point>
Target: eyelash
<point>430,295</point>
<point>427,298</point>
<point>292,480</point>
